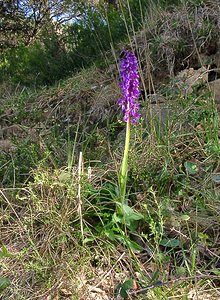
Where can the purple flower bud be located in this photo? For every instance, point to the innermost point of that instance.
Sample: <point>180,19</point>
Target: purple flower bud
<point>129,87</point>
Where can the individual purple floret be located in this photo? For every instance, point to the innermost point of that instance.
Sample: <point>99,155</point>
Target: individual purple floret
<point>129,87</point>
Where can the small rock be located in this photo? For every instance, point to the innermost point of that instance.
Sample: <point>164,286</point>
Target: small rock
<point>215,89</point>
<point>189,78</point>
<point>6,145</point>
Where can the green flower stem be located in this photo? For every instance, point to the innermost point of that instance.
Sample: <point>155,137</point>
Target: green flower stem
<point>124,165</point>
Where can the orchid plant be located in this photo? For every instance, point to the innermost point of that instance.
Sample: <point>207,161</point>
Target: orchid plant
<point>129,84</point>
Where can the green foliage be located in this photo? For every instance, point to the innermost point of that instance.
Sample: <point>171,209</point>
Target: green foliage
<point>172,243</point>
<point>124,287</point>
<point>4,252</point>
<point>82,42</point>
<point>191,167</point>
<point>39,64</point>
<point>4,282</point>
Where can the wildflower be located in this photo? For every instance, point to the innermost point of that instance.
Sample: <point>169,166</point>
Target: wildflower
<point>129,87</point>
<point>130,92</point>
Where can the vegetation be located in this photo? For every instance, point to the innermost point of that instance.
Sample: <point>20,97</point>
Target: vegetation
<point>64,232</point>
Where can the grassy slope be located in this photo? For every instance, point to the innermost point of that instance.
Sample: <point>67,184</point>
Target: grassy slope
<point>61,245</point>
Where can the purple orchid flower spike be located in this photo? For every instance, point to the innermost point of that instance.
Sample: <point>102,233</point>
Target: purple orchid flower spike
<point>129,87</point>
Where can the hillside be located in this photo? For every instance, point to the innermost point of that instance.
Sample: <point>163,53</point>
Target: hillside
<point>63,235</point>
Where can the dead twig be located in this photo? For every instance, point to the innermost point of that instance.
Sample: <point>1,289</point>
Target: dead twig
<point>80,173</point>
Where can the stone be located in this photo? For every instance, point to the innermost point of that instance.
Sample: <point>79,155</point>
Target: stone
<point>215,89</point>
<point>6,145</point>
<point>189,78</point>
<point>217,58</point>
